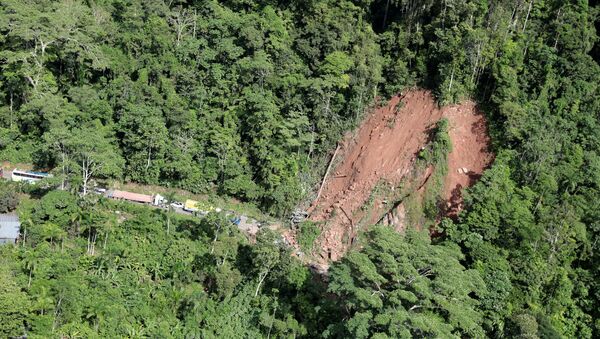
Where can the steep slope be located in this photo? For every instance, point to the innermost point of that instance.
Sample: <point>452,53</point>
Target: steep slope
<point>381,156</point>
<point>470,154</point>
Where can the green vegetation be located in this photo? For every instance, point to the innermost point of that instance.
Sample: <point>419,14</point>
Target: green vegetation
<point>402,287</point>
<point>9,198</point>
<point>202,96</point>
<point>437,149</point>
<point>98,270</point>
<point>435,155</point>
<point>308,232</point>
<point>243,98</point>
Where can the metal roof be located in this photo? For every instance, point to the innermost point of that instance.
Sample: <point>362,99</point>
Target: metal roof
<point>9,226</point>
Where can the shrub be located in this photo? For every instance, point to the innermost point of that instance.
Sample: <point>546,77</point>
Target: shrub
<point>308,232</point>
<point>8,199</point>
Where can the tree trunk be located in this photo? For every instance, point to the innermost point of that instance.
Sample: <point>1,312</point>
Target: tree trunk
<point>223,260</point>
<point>557,34</point>
<point>93,247</point>
<point>56,312</point>
<point>451,79</point>
<point>260,281</point>
<point>326,104</point>
<point>195,20</point>
<point>272,321</point>
<point>105,240</point>
<point>527,17</point>
<point>84,176</point>
<point>215,239</point>
<point>444,15</point>
<point>88,242</point>
<point>326,173</point>
<point>385,14</point>
<point>62,184</point>
<point>312,142</point>
<point>168,223</point>
<point>11,109</point>
<point>149,157</point>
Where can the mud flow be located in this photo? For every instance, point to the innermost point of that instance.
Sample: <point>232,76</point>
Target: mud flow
<point>383,152</point>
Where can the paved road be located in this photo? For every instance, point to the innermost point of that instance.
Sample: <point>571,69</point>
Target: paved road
<point>246,224</point>
<point>6,173</point>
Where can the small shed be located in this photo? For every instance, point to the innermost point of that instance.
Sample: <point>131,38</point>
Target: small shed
<point>9,228</point>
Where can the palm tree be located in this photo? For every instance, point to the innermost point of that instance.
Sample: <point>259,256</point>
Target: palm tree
<point>170,197</point>
<point>107,227</point>
<point>30,264</point>
<point>28,222</point>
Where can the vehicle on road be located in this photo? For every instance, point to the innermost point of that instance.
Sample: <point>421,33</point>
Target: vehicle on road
<point>129,196</point>
<point>28,176</point>
<point>190,206</point>
<point>177,204</point>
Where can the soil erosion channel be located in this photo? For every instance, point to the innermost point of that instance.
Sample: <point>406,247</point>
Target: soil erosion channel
<point>384,150</point>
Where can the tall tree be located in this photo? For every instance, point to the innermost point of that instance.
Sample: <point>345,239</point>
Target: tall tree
<point>95,154</point>
<point>403,286</point>
<point>144,139</point>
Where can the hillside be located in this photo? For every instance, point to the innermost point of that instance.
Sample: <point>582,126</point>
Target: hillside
<point>428,168</point>
<point>383,152</point>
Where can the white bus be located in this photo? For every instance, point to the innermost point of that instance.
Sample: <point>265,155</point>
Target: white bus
<point>28,176</point>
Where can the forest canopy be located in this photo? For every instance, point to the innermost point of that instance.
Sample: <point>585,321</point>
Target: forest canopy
<point>245,98</point>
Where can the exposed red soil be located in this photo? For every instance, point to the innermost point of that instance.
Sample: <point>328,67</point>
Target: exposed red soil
<point>384,150</point>
<point>470,154</point>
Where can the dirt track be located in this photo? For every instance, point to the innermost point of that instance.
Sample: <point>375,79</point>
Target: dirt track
<point>383,151</point>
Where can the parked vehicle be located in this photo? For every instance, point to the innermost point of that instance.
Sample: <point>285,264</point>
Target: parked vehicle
<point>177,204</point>
<point>190,206</point>
<point>129,196</point>
<point>28,176</point>
<point>158,200</point>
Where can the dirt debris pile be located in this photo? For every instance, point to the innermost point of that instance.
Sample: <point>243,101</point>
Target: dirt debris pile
<point>381,155</point>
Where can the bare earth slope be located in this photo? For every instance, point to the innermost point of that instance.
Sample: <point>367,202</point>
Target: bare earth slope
<point>470,154</point>
<point>384,150</point>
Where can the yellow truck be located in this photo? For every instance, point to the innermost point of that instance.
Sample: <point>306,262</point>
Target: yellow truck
<point>190,206</point>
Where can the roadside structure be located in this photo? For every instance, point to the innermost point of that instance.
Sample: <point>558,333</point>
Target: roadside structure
<point>9,228</point>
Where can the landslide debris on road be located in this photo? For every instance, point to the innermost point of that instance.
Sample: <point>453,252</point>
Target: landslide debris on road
<point>377,164</point>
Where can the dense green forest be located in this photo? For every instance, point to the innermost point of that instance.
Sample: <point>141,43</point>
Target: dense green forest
<point>246,98</point>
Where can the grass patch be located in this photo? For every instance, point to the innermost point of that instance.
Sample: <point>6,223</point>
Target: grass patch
<point>382,188</point>
<point>436,155</point>
<point>308,232</point>
<point>413,209</point>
